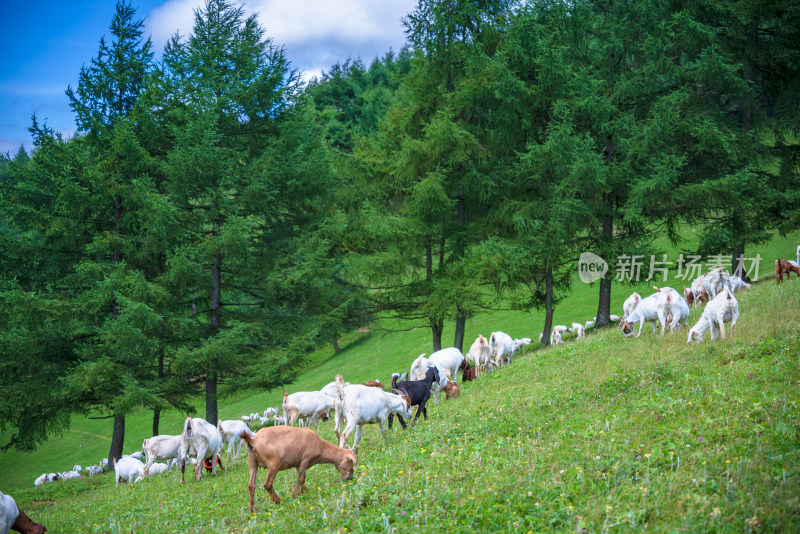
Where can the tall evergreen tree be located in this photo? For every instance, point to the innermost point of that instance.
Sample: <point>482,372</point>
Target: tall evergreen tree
<point>244,172</point>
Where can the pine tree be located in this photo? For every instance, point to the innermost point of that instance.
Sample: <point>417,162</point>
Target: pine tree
<point>244,172</point>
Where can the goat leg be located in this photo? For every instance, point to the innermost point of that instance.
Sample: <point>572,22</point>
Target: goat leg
<point>268,485</point>
<point>300,485</point>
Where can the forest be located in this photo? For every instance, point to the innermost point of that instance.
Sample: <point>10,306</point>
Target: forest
<point>216,217</point>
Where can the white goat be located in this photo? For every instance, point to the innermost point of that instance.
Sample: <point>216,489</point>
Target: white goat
<point>737,283</point>
<point>269,412</point>
<point>93,470</point>
<point>501,344</point>
<point>479,355</point>
<point>205,439</point>
<point>447,360</point>
<point>41,479</point>
<point>673,308</point>
<point>306,404</point>
<point>630,304</point>
<point>359,405</point>
<point>162,447</point>
<point>555,338</point>
<point>128,468</point>
<point>231,431</point>
<point>579,330</point>
<point>70,475</point>
<point>158,468</point>
<point>519,343</point>
<point>646,310</point>
<point>719,310</point>
<point>715,281</point>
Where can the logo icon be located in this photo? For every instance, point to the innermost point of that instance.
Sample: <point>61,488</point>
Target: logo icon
<point>591,267</point>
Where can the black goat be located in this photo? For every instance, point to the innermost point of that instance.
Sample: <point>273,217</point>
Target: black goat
<point>419,391</point>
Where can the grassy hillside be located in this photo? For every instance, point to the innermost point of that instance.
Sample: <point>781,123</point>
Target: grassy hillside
<point>606,433</point>
<point>510,434</point>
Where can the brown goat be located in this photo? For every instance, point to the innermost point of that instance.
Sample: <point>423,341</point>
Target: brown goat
<point>467,371</point>
<point>784,267</point>
<point>451,390</point>
<point>278,448</point>
<point>374,384</point>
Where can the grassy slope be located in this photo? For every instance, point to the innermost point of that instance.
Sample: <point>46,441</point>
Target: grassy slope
<point>548,414</point>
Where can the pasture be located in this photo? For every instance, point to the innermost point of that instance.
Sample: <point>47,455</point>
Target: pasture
<point>607,434</point>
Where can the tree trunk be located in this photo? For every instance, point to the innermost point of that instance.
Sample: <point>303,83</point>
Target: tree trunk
<point>156,419</point>
<point>216,303</point>
<point>117,439</point>
<point>461,324</point>
<point>548,307</point>
<point>157,411</point>
<point>604,300</point>
<point>336,348</point>
<point>436,330</point>
<point>436,325</point>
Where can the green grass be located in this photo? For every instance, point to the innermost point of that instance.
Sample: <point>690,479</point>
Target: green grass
<point>603,433</point>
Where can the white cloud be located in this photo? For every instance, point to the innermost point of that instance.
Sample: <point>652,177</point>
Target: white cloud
<point>315,33</point>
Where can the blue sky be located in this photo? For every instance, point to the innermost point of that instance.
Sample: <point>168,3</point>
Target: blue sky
<point>45,43</point>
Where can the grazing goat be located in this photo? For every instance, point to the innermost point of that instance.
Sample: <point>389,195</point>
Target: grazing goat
<point>715,281</point>
<point>737,283</point>
<point>419,369</point>
<point>306,404</point>
<point>269,412</point>
<point>230,431</point>
<point>41,479</point>
<point>358,405</point>
<point>417,391</point>
<point>11,517</point>
<point>374,384</point>
<point>784,267</point>
<point>479,354</point>
<point>206,441</point>
<point>588,324</point>
<point>721,309</point>
<point>579,330</point>
<point>467,371</point>
<point>449,360</point>
<point>285,447</point>
<point>501,344</point>
<point>128,468</point>
<point>630,304</point>
<point>162,447</point>
<point>646,310</point>
<point>451,391</point>
<point>673,307</point>
<point>94,470</point>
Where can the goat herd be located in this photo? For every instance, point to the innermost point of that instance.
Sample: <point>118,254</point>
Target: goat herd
<point>283,446</point>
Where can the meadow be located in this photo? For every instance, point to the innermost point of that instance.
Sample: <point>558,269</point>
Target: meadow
<point>606,434</point>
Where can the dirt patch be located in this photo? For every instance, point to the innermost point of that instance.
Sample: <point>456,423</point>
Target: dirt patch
<point>37,503</point>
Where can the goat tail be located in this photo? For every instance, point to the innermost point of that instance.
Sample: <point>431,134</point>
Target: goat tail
<point>219,427</point>
<point>247,438</point>
<point>340,387</point>
<point>187,428</point>
<point>395,377</point>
